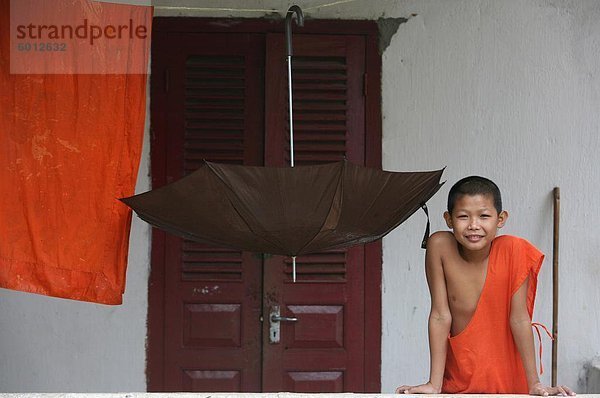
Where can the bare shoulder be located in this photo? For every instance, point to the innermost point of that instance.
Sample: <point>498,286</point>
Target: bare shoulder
<point>442,242</point>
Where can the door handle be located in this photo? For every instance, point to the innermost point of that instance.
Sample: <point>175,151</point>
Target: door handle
<point>275,320</point>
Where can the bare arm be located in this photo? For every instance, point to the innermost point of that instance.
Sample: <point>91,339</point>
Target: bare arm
<point>440,320</point>
<point>520,324</point>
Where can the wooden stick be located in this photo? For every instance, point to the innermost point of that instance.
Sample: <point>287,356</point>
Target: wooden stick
<point>555,284</point>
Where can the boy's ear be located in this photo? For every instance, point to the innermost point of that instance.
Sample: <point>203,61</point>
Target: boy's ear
<point>502,217</point>
<point>448,219</point>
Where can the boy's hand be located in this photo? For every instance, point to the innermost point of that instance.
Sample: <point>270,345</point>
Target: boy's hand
<point>426,388</point>
<point>540,389</point>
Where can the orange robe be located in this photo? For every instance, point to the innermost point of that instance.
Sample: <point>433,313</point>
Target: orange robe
<point>483,358</point>
<point>70,145</point>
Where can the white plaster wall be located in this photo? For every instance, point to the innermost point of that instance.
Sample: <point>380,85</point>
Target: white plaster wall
<point>508,89</point>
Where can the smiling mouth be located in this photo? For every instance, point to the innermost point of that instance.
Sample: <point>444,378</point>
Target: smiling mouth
<point>474,238</point>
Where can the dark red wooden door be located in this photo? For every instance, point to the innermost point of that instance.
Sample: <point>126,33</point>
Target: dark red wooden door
<point>212,296</point>
<point>223,97</point>
<point>323,349</point>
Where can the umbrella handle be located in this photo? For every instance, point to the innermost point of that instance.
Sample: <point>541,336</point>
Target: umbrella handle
<point>288,25</point>
<point>288,39</point>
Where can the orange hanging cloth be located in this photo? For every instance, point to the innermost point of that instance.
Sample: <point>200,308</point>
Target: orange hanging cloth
<point>72,113</point>
<point>483,358</point>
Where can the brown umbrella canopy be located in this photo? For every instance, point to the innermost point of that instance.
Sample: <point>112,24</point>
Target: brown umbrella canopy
<point>287,211</point>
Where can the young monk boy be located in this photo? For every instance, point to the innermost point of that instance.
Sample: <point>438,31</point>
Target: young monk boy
<point>482,294</point>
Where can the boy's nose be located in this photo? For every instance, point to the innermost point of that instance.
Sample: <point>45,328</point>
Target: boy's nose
<point>473,224</point>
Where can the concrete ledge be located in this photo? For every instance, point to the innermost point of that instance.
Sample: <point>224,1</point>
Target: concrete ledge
<point>253,395</point>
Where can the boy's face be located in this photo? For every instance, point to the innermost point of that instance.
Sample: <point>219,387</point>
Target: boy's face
<point>475,221</point>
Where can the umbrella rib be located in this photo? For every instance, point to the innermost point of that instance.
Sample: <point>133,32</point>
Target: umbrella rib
<point>228,186</point>
<point>358,239</point>
<point>176,230</point>
<point>428,196</point>
<point>339,189</point>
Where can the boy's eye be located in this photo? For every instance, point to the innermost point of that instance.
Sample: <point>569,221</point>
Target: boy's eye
<point>462,217</point>
<point>485,216</point>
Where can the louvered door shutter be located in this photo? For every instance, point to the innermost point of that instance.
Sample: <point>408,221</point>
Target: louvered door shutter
<point>214,114</point>
<point>212,302</point>
<point>323,350</point>
<point>320,109</point>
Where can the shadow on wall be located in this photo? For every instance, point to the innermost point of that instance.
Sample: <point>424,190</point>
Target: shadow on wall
<point>593,376</point>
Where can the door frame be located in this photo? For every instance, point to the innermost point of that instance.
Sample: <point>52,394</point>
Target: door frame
<point>373,158</point>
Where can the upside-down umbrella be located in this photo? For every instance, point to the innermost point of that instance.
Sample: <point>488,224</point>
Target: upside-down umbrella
<point>286,210</point>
